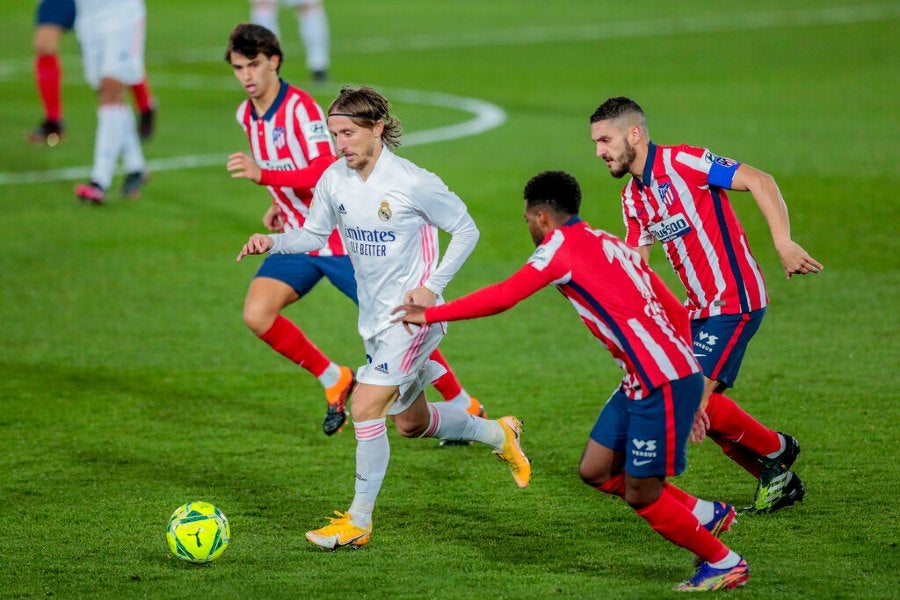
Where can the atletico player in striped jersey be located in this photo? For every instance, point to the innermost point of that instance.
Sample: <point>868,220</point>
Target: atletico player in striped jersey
<point>677,195</point>
<point>291,148</point>
<point>640,436</point>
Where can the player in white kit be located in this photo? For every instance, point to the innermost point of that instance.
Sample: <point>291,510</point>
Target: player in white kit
<point>111,35</point>
<point>388,212</point>
<point>312,22</point>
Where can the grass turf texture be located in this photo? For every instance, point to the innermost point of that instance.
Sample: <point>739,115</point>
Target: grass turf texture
<point>129,384</point>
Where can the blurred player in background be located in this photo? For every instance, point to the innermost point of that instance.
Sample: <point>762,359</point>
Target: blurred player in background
<point>291,147</point>
<point>677,195</point>
<point>54,18</point>
<point>111,35</point>
<point>640,436</point>
<point>312,22</point>
<point>388,212</point>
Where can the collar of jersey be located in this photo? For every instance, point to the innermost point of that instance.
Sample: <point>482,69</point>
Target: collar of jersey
<point>282,92</point>
<point>648,166</point>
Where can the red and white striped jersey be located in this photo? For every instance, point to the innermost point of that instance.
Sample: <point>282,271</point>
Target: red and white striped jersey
<point>681,202</point>
<point>285,142</point>
<point>620,299</point>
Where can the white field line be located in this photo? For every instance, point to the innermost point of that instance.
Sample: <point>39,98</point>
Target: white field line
<point>485,116</point>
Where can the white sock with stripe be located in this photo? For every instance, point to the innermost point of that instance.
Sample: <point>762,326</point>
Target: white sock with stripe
<point>372,455</point>
<point>450,421</point>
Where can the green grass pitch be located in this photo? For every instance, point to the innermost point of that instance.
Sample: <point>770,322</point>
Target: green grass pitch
<point>129,384</point>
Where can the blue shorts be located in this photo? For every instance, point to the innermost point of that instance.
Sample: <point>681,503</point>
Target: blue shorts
<point>56,12</point>
<point>302,272</point>
<point>653,432</point>
<point>720,343</point>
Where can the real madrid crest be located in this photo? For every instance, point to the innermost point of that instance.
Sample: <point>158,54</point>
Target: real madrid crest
<point>384,211</point>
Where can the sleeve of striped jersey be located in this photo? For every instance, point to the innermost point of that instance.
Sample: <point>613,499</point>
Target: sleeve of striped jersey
<point>717,171</point>
<point>493,299</point>
<point>635,234</point>
<point>297,178</point>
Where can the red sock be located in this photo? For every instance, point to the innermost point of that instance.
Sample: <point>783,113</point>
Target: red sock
<point>730,420</point>
<point>681,496</point>
<point>743,457</point>
<point>614,486</point>
<point>142,97</point>
<point>672,520</point>
<point>447,384</point>
<point>48,74</point>
<point>287,339</point>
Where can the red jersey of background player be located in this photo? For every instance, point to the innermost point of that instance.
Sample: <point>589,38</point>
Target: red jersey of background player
<point>681,202</point>
<point>292,147</point>
<point>624,304</point>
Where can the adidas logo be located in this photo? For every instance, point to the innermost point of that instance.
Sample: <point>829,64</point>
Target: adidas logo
<point>341,209</point>
<point>383,368</point>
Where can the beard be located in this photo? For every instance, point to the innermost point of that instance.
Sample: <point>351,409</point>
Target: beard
<point>624,161</point>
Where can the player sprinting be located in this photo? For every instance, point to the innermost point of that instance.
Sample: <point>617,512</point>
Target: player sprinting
<point>677,195</point>
<point>291,148</point>
<point>640,436</point>
<point>111,35</point>
<point>54,18</point>
<point>388,212</point>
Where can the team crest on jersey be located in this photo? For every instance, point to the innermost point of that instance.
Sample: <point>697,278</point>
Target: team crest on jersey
<point>665,193</point>
<point>384,211</point>
<point>278,135</point>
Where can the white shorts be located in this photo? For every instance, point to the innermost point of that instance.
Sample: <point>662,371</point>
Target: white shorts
<point>397,358</point>
<point>112,43</point>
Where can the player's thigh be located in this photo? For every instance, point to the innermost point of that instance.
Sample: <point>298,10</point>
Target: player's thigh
<point>658,428</point>
<point>59,13</point>
<point>115,53</point>
<point>720,342</point>
<point>598,463</point>
<point>339,271</point>
<point>298,271</point>
<point>372,401</point>
<point>397,358</point>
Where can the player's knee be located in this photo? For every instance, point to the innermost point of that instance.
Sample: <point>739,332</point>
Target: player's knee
<point>594,475</point>
<point>258,318</point>
<point>642,491</point>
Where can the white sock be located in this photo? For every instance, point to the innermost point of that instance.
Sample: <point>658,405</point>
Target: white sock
<point>704,511</point>
<point>372,455</point>
<point>132,154</point>
<point>449,421</point>
<point>781,449</point>
<point>330,375</point>
<point>108,141</point>
<point>731,560</point>
<point>313,25</point>
<point>265,14</point>
<point>461,399</point>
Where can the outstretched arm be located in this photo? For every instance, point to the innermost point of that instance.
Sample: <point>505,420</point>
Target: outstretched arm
<point>794,259</point>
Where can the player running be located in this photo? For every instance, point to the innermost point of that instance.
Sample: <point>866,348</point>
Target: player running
<point>640,436</point>
<point>677,195</point>
<point>291,148</point>
<point>388,212</point>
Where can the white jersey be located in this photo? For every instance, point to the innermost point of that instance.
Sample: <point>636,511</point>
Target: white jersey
<point>389,224</point>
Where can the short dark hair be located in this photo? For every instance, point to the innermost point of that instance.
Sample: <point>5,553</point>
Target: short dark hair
<point>251,40</point>
<point>555,189</point>
<point>364,106</point>
<point>616,107</point>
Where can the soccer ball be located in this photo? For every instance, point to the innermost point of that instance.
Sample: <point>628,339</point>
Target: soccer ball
<point>198,532</point>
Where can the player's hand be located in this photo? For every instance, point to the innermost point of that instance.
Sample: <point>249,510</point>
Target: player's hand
<point>273,220</point>
<point>421,296</point>
<point>241,165</point>
<point>257,244</point>
<point>796,260</point>
<point>700,427</point>
<point>411,313</point>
